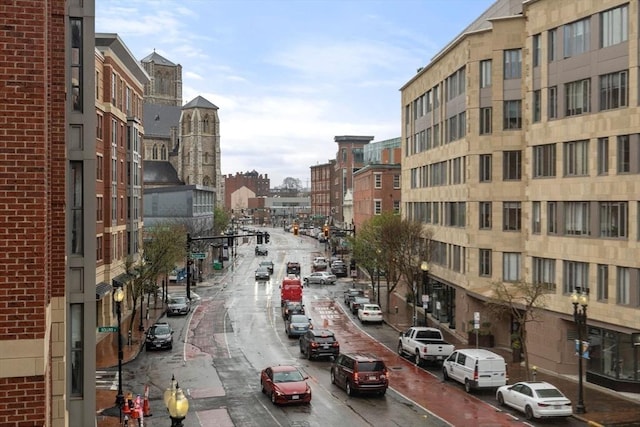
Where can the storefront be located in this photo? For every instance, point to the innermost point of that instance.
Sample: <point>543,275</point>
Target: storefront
<point>441,303</point>
<point>614,359</point>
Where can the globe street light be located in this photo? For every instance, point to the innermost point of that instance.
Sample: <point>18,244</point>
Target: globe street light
<point>118,296</point>
<point>580,297</point>
<point>178,406</point>
<point>425,283</point>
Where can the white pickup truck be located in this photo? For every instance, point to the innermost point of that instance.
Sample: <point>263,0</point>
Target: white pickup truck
<point>424,344</point>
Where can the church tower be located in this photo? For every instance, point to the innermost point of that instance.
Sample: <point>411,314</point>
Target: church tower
<point>165,86</point>
<point>198,159</point>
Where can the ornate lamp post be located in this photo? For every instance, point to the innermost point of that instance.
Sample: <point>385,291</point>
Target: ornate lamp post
<point>425,287</point>
<point>176,403</point>
<point>118,296</point>
<point>580,297</point>
<point>378,252</point>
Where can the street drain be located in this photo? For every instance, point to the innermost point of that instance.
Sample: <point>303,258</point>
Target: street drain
<point>396,368</point>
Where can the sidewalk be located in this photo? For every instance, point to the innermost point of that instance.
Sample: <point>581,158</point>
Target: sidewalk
<point>604,407</point>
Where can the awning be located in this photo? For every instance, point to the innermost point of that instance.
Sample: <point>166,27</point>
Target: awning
<point>122,279</point>
<point>102,289</point>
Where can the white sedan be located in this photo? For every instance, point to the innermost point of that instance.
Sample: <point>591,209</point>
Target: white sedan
<point>321,277</point>
<point>536,399</point>
<point>370,313</point>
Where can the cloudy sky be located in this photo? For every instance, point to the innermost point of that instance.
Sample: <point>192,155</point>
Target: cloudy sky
<point>290,75</point>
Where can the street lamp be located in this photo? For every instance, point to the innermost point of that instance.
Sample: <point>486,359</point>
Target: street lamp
<point>378,251</point>
<point>177,405</point>
<point>425,283</point>
<point>118,296</point>
<point>580,297</point>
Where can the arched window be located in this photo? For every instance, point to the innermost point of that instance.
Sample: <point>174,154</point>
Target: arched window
<point>186,125</point>
<point>154,155</point>
<point>205,124</point>
<point>163,152</point>
<point>206,181</point>
<point>206,158</point>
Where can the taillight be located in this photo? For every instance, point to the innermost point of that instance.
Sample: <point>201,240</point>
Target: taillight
<point>475,373</point>
<point>314,344</point>
<point>355,377</point>
<point>384,374</point>
<point>335,344</point>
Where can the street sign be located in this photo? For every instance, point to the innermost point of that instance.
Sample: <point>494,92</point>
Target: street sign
<point>198,255</point>
<point>107,329</point>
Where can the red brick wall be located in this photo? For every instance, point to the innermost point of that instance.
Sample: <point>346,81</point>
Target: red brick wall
<point>32,185</point>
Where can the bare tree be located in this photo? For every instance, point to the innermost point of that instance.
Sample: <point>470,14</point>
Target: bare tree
<point>291,184</point>
<point>522,301</point>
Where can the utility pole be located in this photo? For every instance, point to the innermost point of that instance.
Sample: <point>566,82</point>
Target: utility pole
<point>188,266</point>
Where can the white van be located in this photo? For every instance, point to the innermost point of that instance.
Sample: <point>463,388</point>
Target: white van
<point>475,368</point>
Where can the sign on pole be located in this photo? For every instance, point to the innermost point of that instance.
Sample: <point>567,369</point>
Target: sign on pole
<point>107,329</point>
<point>476,320</point>
<point>198,255</point>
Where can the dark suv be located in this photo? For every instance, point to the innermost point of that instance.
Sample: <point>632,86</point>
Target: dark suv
<point>360,372</point>
<point>317,343</point>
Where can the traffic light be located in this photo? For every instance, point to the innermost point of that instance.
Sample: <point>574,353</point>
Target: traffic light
<point>230,241</point>
<point>325,229</point>
<point>295,230</point>
<point>259,236</point>
<point>266,237</point>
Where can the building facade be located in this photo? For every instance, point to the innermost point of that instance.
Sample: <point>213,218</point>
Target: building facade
<point>376,189</point>
<point>321,182</point>
<point>256,182</point>
<point>520,151</point>
<point>349,158</point>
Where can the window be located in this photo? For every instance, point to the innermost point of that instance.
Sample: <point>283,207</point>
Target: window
<point>614,26</point>
<point>536,226</point>
<point>99,126</point>
<point>576,274</point>
<point>77,207</point>
<point>511,213</point>
<point>510,266</point>
<point>99,168</point>
<point>624,154</point>
<point>552,221</point>
<point>623,286</point>
<point>576,38</point>
<point>396,206</point>
<point>603,282</point>
<point>76,319</point>
<point>76,64</point>
<point>576,162</point>
<point>536,50</point>
<point>99,249</point>
<point>544,273</point>
<point>551,45</point>
<point>577,95</point>
<point>512,165</point>
<point>485,73</point>
<point>99,208</point>
<point>455,214</point>
<point>485,167</point>
<point>485,215</point>
<point>512,64</point>
<point>512,114</point>
<point>614,219</point>
<point>537,105</point>
<point>377,207</point>
<point>576,218</point>
<point>603,156</point>
<point>553,102</point>
<point>544,160</point>
<point>396,181</point>
<point>614,90</point>
<point>485,262</point>
<point>377,178</point>
<point>485,120</point>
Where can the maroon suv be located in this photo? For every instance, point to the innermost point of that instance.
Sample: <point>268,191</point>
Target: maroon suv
<point>360,372</point>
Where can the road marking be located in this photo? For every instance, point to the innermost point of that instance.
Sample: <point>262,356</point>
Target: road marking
<point>106,380</point>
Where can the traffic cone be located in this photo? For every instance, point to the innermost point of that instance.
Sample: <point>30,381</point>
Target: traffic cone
<point>146,409</point>
<point>125,409</point>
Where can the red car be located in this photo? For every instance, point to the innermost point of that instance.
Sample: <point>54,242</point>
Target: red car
<point>285,385</point>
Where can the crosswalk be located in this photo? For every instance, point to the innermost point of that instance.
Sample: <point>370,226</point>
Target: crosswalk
<point>106,380</point>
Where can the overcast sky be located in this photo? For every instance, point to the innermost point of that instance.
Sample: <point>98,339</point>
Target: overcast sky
<point>289,75</point>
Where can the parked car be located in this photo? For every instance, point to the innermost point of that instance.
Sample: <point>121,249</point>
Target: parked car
<point>178,305</point>
<point>318,343</point>
<point>320,278</point>
<point>159,336</point>
<point>536,399</point>
<point>424,344</point>
<point>262,273</point>
<point>296,325</point>
<point>475,368</point>
<point>292,307</point>
<point>339,268</point>
<point>352,293</point>
<point>358,372</point>
<point>356,302</point>
<point>178,275</point>
<point>268,264</point>
<point>370,313</point>
<point>285,385</point>
<point>261,250</point>
<point>319,264</point>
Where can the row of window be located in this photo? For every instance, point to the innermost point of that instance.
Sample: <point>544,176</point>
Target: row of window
<point>377,207</point>
<point>448,172</point>
<point>574,274</point>
<point>377,181</point>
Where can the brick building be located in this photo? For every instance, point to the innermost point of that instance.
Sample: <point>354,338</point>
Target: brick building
<point>321,181</point>
<point>349,158</point>
<point>258,185</point>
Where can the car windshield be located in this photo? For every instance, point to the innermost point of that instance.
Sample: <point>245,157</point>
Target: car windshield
<point>549,392</point>
<point>161,330</point>
<point>299,319</point>
<point>178,300</point>
<point>287,377</point>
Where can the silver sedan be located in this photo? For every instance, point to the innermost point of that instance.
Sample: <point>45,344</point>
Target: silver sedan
<point>321,278</point>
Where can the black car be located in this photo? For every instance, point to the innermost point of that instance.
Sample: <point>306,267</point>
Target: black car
<point>292,307</point>
<point>339,269</point>
<point>159,336</point>
<point>268,264</point>
<point>262,273</point>
<point>262,250</point>
<point>318,343</point>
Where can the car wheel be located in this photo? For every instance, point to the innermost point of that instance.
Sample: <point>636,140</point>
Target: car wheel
<point>417,358</point>
<point>383,392</point>
<point>400,352</point>
<point>171,346</point>
<point>264,390</point>
<point>500,399</point>
<point>528,412</point>
<point>445,374</point>
<point>309,356</point>
<point>322,282</point>
<point>348,388</point>
<point>333,377</point>
<point>467,386</point>
<point>273,397</point>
